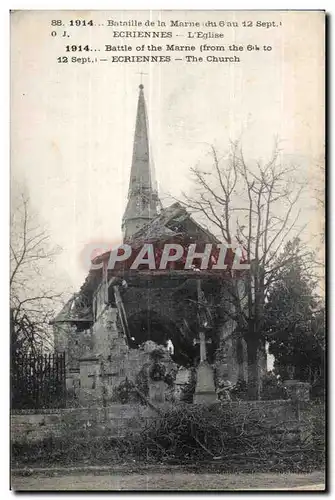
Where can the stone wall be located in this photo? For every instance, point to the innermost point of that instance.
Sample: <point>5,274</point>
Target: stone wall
<point>32,426</point>
<point>116,419</point>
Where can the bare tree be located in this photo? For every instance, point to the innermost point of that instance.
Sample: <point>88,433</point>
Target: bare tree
<point>32,300</point>
<point>254,205</point>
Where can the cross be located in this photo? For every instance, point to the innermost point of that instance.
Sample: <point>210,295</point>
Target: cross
<point>202,341</point>
<point>202,322</point>
<point>141,73</point>
<point>101,376</point>
<point>204,314</point>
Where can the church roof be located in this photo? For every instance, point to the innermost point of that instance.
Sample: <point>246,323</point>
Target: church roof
<point>140,168</point>
<point>142,195</point>
<point>73,311</point>
<point>173,221</point>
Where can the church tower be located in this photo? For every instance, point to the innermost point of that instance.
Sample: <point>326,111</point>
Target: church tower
<point>142,197</point>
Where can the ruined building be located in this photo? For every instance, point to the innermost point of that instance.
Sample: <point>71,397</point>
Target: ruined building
<point>111,326</point>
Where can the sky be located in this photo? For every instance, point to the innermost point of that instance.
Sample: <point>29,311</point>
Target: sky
<point>72,125</point>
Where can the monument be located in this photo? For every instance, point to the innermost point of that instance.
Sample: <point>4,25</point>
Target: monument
<point>205,386</point>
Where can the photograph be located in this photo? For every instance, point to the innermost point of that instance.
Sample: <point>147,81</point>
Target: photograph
<point>167,250</point>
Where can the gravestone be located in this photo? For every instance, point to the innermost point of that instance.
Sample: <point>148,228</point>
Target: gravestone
<point>90,392</point>
<point>157,391</point>
<point>297,391</point>
<point>205,387</point>
<point>183,377</point>
<point>156,376</point>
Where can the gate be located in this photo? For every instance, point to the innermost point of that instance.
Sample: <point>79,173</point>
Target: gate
<point>38,381</point>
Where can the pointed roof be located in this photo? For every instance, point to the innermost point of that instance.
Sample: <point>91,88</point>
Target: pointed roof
<point>140,175</point>
<point>142,196</point>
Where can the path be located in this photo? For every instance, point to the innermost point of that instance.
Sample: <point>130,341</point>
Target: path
<point>170,481</point>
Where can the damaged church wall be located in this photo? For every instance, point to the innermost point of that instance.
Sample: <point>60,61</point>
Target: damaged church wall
<point>105,356</point>
<point>99,358</point>
<point>110,360</point>
<point>75,344</point>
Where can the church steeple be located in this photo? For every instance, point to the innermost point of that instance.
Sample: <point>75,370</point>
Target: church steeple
<point>142,197</point>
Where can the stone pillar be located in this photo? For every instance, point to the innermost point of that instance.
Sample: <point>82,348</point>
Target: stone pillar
<point>297,391</point>
<point>205,387</point>
<point>73,382</point>
<point>90,381</point>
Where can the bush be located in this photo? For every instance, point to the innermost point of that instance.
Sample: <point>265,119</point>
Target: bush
<point>239,437</point>
<point>201,431</point>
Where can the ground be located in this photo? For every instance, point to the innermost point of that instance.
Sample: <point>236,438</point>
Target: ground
<point>106,480</point>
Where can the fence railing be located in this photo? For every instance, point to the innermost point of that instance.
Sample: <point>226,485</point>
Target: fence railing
<point>38,381</point>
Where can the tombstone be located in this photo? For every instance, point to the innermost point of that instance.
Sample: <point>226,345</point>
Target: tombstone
<point>157,391</point>
<point>182,379</point>
<point>90,381</point>
<point>205,388</point>
<point>156,377</point>
<point>297,391</point>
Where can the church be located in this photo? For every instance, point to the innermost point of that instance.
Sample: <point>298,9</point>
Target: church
<point>111,327</point>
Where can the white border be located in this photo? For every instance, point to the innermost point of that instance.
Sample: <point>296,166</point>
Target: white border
<point>327,5</point>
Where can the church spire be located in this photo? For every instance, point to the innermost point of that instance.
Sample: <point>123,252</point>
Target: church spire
<point>142,197</point>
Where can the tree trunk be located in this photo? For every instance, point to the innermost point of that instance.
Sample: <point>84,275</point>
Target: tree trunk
<point>254,381</point>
